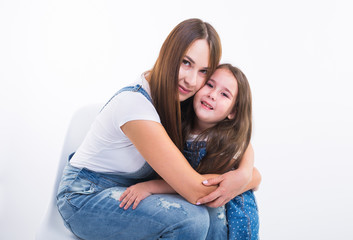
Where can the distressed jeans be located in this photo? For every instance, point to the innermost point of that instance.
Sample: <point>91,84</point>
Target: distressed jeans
<point>89,204</point>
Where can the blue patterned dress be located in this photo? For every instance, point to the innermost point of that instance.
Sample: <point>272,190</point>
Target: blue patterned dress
<point>242,212</point>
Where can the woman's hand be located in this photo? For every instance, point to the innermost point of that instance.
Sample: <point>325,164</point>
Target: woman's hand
<point>155,146</point>
<point>230,185</point>
<point>134,195</point>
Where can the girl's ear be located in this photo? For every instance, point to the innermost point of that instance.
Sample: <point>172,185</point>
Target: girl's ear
<point>231,115</point>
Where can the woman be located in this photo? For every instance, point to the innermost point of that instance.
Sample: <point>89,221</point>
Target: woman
<point>138,133</point>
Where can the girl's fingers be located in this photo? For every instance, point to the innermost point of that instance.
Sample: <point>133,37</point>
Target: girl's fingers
<point>136,203</point>
<point>129,198</point>
<point>129,202</point>
<point>122,203</point>
<point>125,193</point>
<point>125,200</point>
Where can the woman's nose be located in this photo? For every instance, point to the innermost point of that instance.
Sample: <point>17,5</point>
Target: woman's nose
<point>191,78</point>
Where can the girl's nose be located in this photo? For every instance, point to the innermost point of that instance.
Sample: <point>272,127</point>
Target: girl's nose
<point>213,95</point>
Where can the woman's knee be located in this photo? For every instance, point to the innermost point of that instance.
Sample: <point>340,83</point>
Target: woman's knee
<point>218,223</point>
<point>180,214</point>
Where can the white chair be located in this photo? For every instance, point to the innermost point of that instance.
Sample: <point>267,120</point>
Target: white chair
<point>52,226</point>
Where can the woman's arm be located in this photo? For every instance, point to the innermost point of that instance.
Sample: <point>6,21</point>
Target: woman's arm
<point>233,182</point>
<point>154,144</point>
<point>134,194</point>
<point>255,181</point>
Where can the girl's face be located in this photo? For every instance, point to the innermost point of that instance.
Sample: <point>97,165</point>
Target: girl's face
<point>193,69</point>
<point>215,101</point>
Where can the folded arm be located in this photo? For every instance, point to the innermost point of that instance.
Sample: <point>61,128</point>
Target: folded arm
<point>134,194</point>
<point>154,144</point>
<point>233,183</point>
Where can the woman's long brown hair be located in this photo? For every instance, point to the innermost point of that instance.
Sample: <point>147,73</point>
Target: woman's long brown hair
<point>164,75</point>
<point>229,138</point>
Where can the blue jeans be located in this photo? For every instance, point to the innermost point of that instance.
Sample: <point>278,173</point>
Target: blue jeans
<point>89,204</point>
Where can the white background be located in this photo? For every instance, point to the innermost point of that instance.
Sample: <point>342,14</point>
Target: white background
<point>56,56</point>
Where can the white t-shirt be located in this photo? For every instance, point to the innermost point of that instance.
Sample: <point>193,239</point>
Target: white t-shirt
<point>106,148</point>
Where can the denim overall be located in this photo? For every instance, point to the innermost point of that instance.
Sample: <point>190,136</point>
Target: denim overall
<point>241,211</point>
<point>88,202</point>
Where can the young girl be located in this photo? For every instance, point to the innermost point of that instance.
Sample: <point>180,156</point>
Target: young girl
<point>217,138</point>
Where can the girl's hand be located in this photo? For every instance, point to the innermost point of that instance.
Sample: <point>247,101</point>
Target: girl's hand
<point>134,195</point>
<point>230,185</point>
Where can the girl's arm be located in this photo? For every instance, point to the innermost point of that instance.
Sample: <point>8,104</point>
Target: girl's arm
<point>154,144</point>
<point>134,194</point>
<point>233,183</point>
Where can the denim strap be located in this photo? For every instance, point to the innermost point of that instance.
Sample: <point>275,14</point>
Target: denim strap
<point>137,88</point>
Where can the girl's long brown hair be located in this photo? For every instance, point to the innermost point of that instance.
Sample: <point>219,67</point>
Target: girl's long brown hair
<point>229,138</point>
<point>164,75</point>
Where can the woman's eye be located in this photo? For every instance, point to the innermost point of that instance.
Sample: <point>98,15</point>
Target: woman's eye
<point>204,72</point>
<point>186,62</point>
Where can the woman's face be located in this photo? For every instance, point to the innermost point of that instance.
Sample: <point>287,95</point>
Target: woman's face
<point>193,69</point>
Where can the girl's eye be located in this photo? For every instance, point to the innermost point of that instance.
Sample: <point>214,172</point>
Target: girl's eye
<point>209,84</point>
<point>186,62</point>
<point>225,95</point>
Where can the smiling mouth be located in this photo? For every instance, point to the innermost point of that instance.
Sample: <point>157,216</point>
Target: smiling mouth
<point>184,90</point>
<point>205,104</point>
